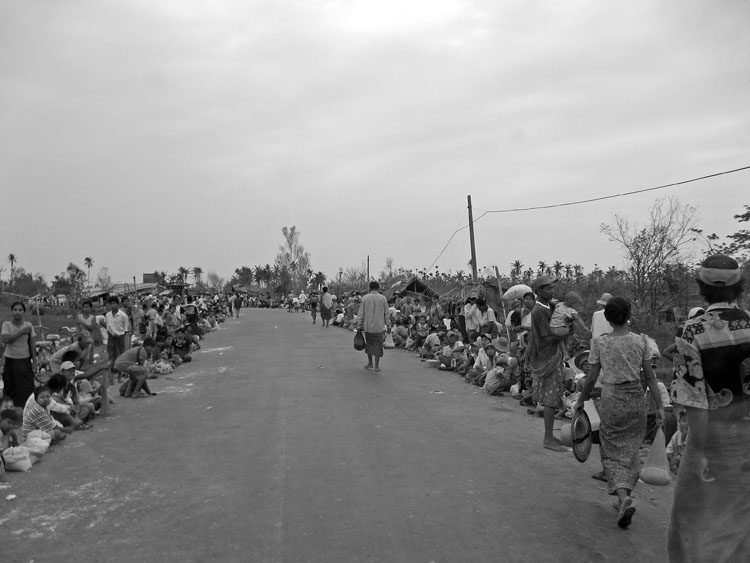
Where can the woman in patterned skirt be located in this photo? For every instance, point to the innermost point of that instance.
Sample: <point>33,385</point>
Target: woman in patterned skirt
<point>619,357</point>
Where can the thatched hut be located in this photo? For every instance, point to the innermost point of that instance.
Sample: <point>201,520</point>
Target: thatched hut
<point>453,300</point>
<point>411,287</point>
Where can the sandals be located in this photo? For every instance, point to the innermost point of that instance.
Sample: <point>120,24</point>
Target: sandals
<point>84,426</point>
<point>625,515</point>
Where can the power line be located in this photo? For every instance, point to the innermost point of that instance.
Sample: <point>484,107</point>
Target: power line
<point>618,195</point>
<point>579,202</point>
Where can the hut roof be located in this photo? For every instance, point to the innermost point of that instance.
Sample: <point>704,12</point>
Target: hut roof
<point>488,291</point>
<point>410,286</point>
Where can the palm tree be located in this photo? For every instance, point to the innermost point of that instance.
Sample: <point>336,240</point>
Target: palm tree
<point>578,272</point>
<point>517,270</point>
<point>197,271</point>
<point>183,272</point>
<point>13,259</point>
<point>542,266</point>
<point>319,279</point>
<point>88,262</point>
<point>557,267</point>
<point>258,274</point>
<point>568,271</point>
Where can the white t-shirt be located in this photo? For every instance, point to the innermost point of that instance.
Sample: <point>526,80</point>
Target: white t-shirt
<point>599,325</point>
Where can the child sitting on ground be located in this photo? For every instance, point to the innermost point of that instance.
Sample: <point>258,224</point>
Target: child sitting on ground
<point>63,407</point>
<point>36,416</point>
<point>566,315</point>
<point>10,423</point>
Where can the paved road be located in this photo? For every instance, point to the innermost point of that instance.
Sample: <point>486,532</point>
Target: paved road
<point>275,445</point>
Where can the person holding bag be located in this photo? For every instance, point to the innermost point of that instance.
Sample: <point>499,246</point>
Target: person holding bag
<point>19,338</point>
<point>374,319</point>
<point>619,357</point>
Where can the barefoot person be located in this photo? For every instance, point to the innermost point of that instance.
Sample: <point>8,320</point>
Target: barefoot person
<point>544,356</point>
<point>711,507</point>
<point>619,357</point>
<point>374,320</point>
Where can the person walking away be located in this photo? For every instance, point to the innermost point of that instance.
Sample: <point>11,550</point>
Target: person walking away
<point>326,307</point>
<point>544,357</point>
<point>237,305</point>
<point>711,509</point>
<point>314,306</point>
<point>599,324</point>
<point>19,339</point>
<point>619,357</point>
<point>374,320</point>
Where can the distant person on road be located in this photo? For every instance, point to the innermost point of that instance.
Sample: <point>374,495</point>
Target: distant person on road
<point>314,306</point>
<point>326,307</point>
<point>544,356</point>
<point>711,510</point>
<point>374,320</point>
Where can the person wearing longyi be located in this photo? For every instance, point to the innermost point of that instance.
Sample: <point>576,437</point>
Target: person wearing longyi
<point>711,508</point>
<point>619,357</point>
<point>544,357</point>
<point>374,320</point>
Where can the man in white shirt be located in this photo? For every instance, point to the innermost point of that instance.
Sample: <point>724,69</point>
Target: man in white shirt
<point>600,325</point>
<point>116,322</point>
<point>471,324</point>
<point>484,316</point>
<point>302,301</point>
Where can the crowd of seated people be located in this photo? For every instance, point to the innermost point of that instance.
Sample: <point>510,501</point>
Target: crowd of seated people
<point>143,340</point>
<point>483,346</point>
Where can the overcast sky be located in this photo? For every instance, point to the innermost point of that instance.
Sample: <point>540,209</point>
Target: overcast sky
<point>157,134</point>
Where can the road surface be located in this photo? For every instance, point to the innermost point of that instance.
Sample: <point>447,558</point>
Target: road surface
<point>275,445</point>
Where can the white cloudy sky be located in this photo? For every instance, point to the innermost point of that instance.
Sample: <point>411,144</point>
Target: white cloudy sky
<point>153,134</point>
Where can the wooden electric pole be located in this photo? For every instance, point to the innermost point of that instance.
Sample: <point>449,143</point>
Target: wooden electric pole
<point>471,238</point>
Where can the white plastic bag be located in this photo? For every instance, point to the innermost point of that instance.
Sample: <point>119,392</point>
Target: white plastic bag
<point>37,444</point>
<point>17,458</point>
<point>656,469</point>
<point>389,341</point>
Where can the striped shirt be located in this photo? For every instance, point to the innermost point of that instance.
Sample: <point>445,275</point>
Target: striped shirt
<point>35,416</point>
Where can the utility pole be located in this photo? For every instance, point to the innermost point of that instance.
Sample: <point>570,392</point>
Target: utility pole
<point>471,238</point>
<point>368,268</point>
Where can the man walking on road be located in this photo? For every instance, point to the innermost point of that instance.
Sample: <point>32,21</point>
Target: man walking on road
<point>544,355</point>
<point>374,320</point>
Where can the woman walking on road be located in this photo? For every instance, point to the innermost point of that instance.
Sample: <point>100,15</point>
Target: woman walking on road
<point>19,339</point>
<point>619,358</point>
